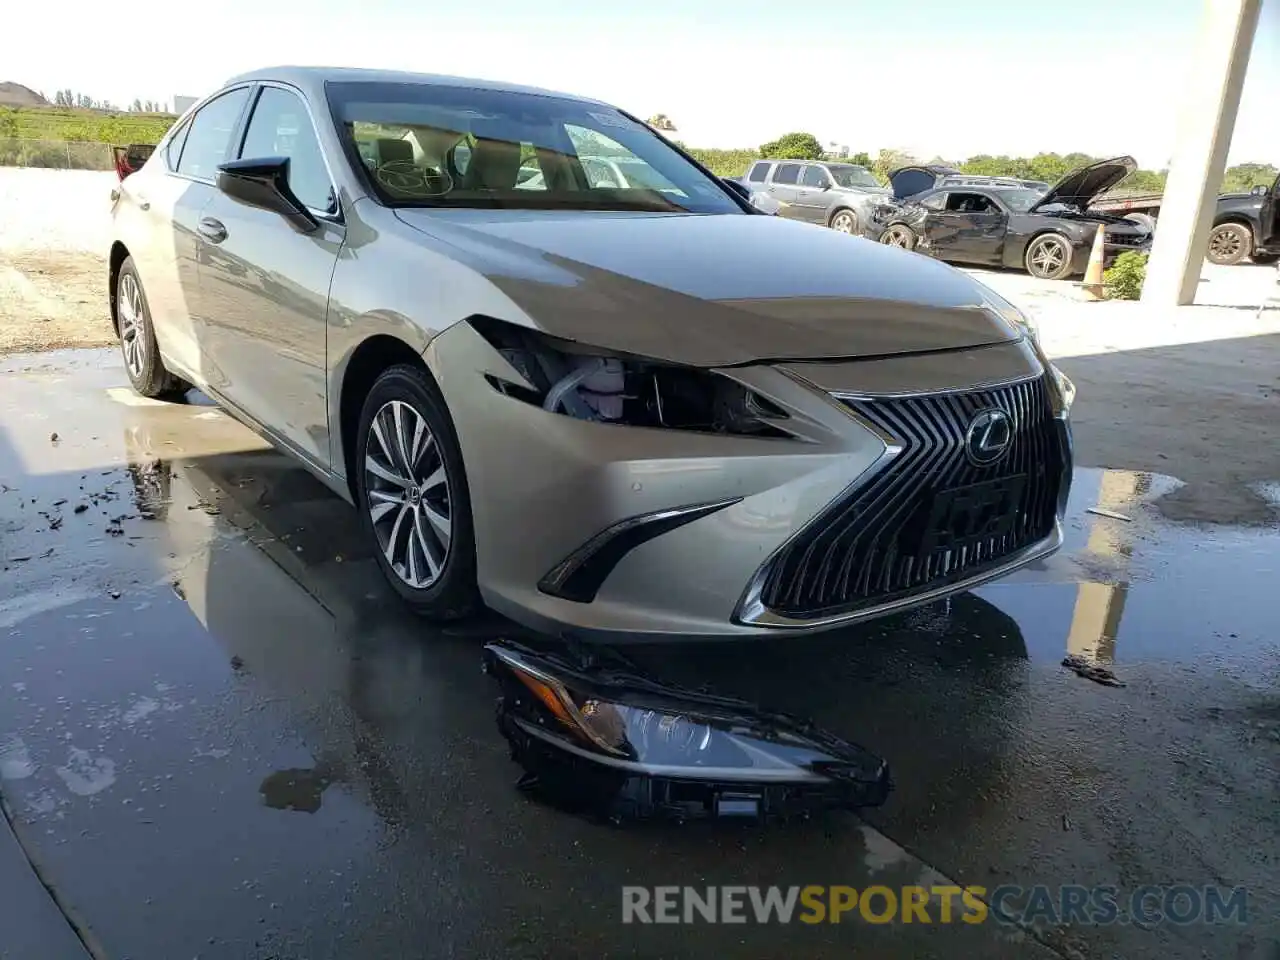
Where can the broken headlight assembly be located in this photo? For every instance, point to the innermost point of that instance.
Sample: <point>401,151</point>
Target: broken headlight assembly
<point>577,381</point>
<point>622,746</point>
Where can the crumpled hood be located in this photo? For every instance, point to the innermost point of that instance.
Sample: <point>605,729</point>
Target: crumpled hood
<point>718,290</point>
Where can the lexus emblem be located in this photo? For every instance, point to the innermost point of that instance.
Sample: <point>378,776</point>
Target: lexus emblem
<point>989,436</point>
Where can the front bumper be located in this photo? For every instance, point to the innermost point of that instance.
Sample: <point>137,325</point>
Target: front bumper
<point>714,512</point>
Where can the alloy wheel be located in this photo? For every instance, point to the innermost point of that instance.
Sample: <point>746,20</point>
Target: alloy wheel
<point>1048,256</point>
<point>896,237</point>
<point>843,222</point>
<point>132,332</point>
<point>407,494</point>
<point>1225,245</point>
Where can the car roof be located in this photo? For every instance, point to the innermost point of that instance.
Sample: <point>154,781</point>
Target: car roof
<point>313,79</point>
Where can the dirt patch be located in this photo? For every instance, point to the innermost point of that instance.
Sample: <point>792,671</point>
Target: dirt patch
<point>51,299</point>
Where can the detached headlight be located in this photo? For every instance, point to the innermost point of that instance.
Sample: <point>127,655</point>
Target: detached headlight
<point>567,378</point>
<point>627,746</point>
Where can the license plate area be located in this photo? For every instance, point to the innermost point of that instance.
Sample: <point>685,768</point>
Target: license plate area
<point>978,513</point>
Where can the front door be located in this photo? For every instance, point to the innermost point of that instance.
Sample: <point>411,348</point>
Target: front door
<point>812,197</point>
<point>970,228</point>
<point>1269,217</point>
<point>264,286</point>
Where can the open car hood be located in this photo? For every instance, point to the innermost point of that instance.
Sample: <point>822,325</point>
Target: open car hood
<point>1079,187</point>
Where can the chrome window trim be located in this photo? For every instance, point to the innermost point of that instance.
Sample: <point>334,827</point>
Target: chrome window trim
<point>334,215</point>
<point>190,117</point>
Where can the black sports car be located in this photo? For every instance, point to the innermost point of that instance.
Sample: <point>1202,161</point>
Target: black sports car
<point>1048,232</point>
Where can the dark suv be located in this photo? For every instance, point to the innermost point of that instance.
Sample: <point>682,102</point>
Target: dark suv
<point>912,180</point>
<point>838,195</point>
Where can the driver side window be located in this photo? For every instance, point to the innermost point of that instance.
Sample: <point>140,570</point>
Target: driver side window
<point>969,203</point>
<point>281,127</point>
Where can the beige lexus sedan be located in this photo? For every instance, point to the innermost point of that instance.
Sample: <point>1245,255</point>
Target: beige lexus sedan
<point>614,411</point>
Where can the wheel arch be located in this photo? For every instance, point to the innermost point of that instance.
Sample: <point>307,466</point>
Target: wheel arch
<point>842,207</point>
<point>1240,218</point>
<point>119,254</point>
<point>356,376</point>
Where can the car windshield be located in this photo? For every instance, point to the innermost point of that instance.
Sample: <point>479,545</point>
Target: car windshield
<point>1019,200</point>
<point>851,176</point>
<point>429,145</point>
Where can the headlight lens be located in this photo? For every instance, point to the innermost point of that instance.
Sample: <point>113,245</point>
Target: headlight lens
<point>1066,389</point>
<point>627,728</point>
<point>567,379</point>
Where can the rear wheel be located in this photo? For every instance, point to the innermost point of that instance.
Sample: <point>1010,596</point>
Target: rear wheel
<point>1229,243</point>
<point>413,497</point>
<point>844,221</point>
<point>899,235</point>
<point>138,346</point>
<point>1049,257</point>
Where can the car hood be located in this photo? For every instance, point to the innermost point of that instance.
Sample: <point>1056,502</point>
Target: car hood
<point>866,191</point>
<point>1079,187</point>
<point>719,290</point>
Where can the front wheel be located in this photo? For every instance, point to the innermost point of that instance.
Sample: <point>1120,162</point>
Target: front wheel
<point>413,497</point>
<point>1229,243</point>
<point>899,235</point>
<point>843,221</point>
<point>1049,257</point>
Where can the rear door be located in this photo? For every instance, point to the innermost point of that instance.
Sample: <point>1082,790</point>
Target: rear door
<point>167,198</point>
<point>784,186</point>
<point>264,286</point>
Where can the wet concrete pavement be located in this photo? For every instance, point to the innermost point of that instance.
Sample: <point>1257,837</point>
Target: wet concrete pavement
<point>220,735</point>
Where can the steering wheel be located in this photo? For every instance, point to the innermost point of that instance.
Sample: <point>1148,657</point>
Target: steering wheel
<point>405,177</point>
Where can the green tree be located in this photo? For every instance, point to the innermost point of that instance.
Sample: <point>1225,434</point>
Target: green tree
<point>660,121</point>
<point>889,160</point>
<point>793,146</point>
<point>861,159</point>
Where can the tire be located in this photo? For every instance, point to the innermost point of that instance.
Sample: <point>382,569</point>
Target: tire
<point>138,346</point>
<point>899,235</point>
<point>1049,256</point>
<point>844,220</point>
<point>1143,220</point>
<point>431,565</point>
<point>1265,259</point>
<point>1229,244</point>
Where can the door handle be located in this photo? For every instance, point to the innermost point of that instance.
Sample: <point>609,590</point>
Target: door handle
<point>212,230</point>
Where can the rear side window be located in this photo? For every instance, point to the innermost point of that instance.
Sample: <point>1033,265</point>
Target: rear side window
<point>787,173</point>
<point>758,172</point>
<point>208,140</point>
<point>174,150</point>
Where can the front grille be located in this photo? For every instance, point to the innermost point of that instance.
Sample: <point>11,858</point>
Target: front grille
<point>931,516</point>
<point>1126,239</point>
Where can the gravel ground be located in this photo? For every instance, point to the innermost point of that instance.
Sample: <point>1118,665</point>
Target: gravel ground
<point>54,234</point>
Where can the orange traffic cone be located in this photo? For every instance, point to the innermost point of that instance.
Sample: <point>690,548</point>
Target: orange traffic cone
<point>1093,288</point>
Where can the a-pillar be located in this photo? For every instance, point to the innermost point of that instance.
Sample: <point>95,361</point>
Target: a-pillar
<point>1207,116</point>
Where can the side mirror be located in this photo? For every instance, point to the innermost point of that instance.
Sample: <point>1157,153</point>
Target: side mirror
<point>1259,191</point>
<point>263,182</point>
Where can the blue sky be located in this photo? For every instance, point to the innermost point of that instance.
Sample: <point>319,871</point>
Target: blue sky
<point>983,76</point>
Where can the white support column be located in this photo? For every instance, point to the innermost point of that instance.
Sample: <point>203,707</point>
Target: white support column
<point>1207,117</point>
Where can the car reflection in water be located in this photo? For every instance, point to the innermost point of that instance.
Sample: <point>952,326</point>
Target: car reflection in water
<point>952,673</point>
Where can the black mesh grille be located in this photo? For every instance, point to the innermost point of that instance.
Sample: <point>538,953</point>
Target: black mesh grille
<point>931,516</point>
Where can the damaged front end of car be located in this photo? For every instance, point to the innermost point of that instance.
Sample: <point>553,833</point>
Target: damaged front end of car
<point>616,744</point>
